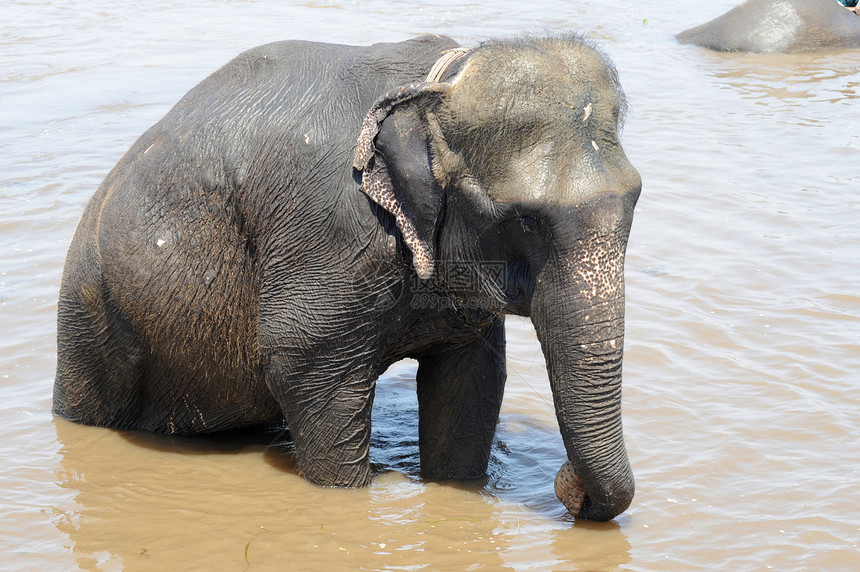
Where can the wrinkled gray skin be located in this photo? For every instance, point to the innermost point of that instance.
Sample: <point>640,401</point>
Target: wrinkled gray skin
<point>779,26</point>
<point>230,272</point>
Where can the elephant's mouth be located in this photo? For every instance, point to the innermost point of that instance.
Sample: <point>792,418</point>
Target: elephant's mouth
<point>569,489</point>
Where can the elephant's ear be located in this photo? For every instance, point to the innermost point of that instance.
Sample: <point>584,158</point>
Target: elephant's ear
<point>394,159</point>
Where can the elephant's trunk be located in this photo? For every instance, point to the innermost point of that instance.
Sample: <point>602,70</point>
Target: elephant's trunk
<point>578,313</point>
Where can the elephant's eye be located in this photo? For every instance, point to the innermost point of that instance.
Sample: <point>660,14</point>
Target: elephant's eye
<point>529,224</point>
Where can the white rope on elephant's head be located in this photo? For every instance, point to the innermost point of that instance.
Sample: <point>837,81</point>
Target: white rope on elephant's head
<point>444,62</point>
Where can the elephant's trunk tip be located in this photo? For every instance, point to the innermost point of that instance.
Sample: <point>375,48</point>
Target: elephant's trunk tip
<point>569,489</point>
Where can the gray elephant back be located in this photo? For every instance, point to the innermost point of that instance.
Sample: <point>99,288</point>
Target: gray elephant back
<point>309,93</point>
<point>778,26</point>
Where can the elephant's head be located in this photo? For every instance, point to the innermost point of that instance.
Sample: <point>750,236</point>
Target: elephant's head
<point>515,157</point>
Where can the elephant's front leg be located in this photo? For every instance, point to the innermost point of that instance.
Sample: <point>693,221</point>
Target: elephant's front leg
<point>459,397</point>
<point>329,419</point>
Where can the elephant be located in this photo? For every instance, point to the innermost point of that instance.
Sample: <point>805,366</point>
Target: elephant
<point>779,26</point>
<point>312,213</point>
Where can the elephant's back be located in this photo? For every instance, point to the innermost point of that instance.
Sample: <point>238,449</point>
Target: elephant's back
<point>781,26</point>
<point>263,128</point>
<point>295,84</point>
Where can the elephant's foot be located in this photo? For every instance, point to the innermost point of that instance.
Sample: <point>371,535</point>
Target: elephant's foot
<point>568,489</point>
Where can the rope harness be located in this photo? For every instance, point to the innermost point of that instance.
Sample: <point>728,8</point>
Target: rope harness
<point>447,58</point>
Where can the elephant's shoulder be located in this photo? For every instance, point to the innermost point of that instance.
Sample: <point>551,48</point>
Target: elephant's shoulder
<point>428,42</point>
<point>419,50</point>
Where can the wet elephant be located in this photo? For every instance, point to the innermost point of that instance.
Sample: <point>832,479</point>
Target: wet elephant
<point>312,213</point>
<point>779,26</point>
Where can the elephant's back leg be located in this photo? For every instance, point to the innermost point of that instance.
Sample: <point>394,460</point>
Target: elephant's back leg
<point>100,358</point>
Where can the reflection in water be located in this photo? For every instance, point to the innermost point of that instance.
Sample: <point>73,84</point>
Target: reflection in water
<point>787,77</point>
<point>140,497</point>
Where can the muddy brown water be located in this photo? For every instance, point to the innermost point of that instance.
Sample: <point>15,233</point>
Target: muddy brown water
<point>741,395</point>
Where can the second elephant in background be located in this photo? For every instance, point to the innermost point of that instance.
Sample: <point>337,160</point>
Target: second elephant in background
<point>779,26</point>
